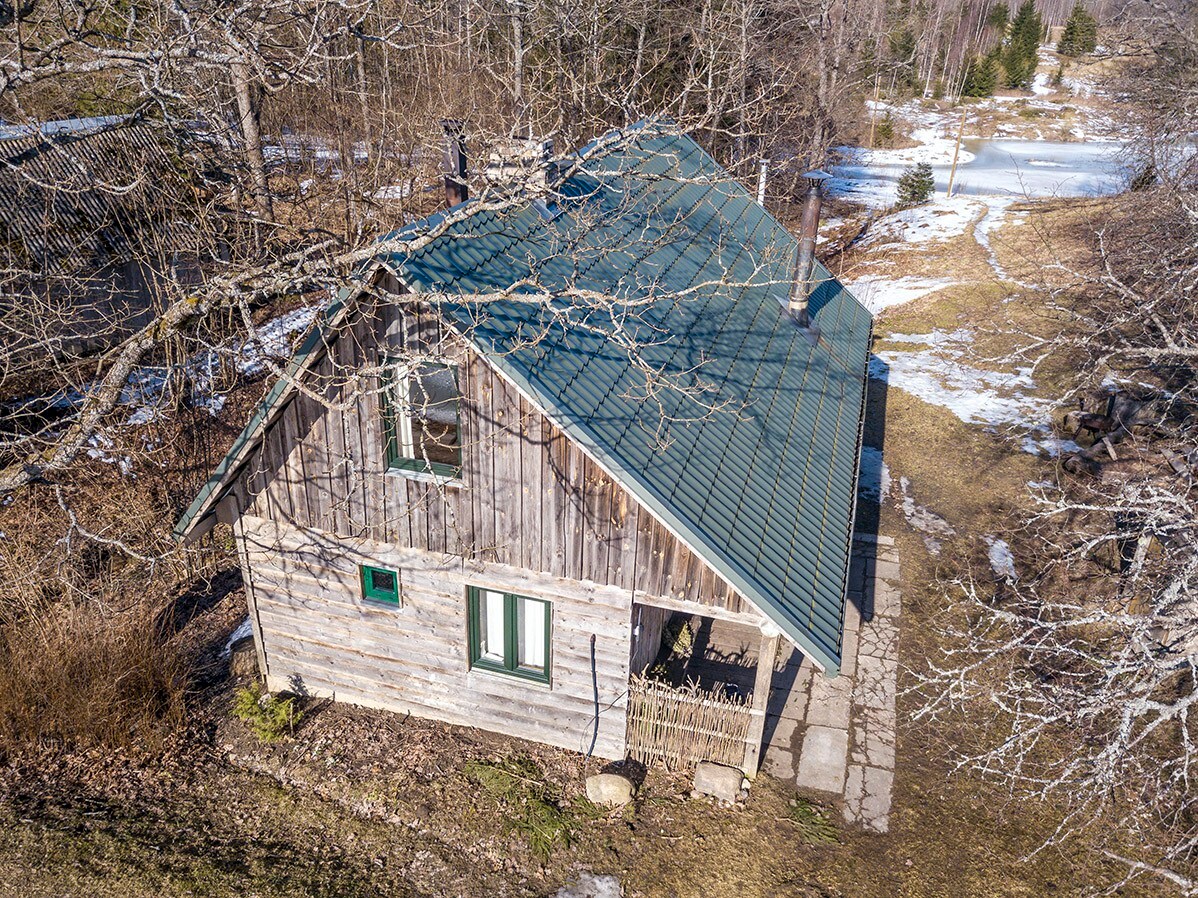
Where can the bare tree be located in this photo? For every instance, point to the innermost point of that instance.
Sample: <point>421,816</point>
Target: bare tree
<point>1086,667</point>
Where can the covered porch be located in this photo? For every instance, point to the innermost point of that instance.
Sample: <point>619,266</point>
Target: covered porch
<point>737,684</point>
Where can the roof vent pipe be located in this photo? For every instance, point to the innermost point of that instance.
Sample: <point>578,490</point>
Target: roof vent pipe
<point>804,284</point>
<point>453,162</point>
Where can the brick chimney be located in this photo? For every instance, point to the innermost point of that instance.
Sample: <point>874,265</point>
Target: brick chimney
<point>804,284</point>
<point>453,162</point>
<point>523,164</point>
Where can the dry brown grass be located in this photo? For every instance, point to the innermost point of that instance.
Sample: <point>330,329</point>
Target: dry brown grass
<point>83,675</point>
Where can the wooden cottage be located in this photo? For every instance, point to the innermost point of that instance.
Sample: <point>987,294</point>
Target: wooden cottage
<point>538,431</point>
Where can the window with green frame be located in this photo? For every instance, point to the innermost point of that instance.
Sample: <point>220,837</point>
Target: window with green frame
<point>509,633</point>
<point>420,417</point>
<point>379,584</point>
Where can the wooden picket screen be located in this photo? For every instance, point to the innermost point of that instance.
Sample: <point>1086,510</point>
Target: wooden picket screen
<point>674,726</point>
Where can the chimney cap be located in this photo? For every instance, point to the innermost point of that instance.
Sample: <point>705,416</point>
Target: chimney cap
<point>817,175</point>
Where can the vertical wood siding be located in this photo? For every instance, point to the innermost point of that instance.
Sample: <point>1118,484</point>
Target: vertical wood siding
<point>528,497</point>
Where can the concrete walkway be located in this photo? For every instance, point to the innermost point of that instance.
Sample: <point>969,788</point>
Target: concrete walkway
<point>838,735</point>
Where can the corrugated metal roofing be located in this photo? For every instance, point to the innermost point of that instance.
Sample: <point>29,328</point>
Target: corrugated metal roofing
<point>696,389</point>
<point>70,192</point>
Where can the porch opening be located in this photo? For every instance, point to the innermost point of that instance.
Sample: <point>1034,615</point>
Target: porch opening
<point>701,688</point>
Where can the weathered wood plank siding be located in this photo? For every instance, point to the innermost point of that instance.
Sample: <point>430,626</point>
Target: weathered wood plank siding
<point>528,497</point>
<point>319,634</point>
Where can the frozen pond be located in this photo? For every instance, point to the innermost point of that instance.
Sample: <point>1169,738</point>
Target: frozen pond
<point>1034,168</point>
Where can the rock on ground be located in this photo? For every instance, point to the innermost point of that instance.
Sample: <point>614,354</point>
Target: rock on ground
<point>718,781</point>
<point>591,885</point>
<point>243,658</point>
<point>610,789</point>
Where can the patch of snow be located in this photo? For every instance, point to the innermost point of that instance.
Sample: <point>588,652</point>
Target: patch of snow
<point>1002,561</point>
<point>1045,163</point>
<point>1041,86</point>
<point>273,340</point>
<point>873,482</point>
<point>99,445</point>
<point>393,192</point>
<point>1041,442</point>
<point>939,220</point>
<point>996,213</point>
<point>1042,485</point>
<point>244,629</point>
<point>930,525</point>
<point>876,293</point>
<point>938,375</point>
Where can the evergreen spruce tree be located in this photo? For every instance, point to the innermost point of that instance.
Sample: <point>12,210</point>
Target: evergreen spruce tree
<point>916,185</point>
<point>886,128</point>
<point>1000,17</point>
<point>1080,35</point>
<point>981,76</point>
<point>1023,43</point>
<point>902,51</point>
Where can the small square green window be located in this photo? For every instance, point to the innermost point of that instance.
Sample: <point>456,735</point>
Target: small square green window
<point>380,585</point>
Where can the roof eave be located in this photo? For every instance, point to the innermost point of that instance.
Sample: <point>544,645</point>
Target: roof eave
<point>197,519</point>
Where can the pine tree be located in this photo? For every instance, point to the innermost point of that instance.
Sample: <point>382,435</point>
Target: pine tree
<point>916,185</point>
<point>1080,35</point>
<point>1023,44</point>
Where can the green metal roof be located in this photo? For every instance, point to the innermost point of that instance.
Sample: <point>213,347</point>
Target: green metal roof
<point>733,425</point>
<point>736,428</point>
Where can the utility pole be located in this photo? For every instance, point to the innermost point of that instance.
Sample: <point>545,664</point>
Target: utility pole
<point>952,174</point>
<point>873,110</point>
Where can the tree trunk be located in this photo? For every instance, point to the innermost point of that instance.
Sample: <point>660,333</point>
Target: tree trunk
<point>246,93</point>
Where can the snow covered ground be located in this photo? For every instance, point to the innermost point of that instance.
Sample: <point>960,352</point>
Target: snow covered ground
<point>936,368</point>
<point>877,293</point>
<point>941,219</point>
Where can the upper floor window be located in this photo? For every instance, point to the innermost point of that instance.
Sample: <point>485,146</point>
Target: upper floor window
<point>420,412</point>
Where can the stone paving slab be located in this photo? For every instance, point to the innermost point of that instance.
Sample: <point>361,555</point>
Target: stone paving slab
<point>830,702</point>
<point>873,739</point>
<point>880,642</point>
<point>876,683</point>
<point>867,795</point>
<point>843,741</point>
<point>823,759</point>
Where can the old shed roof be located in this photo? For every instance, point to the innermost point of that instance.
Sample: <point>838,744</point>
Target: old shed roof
<point>72,191</point>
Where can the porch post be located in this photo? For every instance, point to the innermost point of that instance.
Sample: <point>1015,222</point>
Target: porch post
<point>761,696</point>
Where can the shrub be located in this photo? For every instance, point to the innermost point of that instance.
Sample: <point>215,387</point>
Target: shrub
<point>916,185</point>
<point>82,675</point>
<point>269,716</point>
